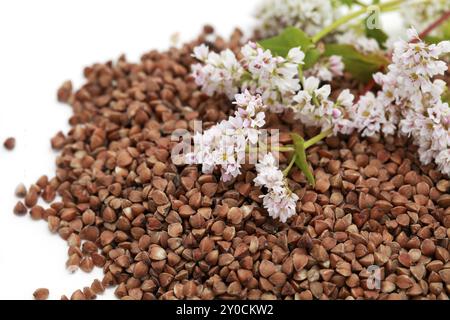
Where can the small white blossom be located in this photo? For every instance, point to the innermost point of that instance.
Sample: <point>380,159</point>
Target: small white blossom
<point>368,115</point>
<point>443,161</point>
<point>219,73</point>
<point>280,205</point>
<point>279,201</point>
<point>309,15</point>
<point>314,108</point>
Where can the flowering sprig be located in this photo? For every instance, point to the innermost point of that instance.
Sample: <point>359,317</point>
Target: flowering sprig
<point>225,144</point>
<point>290,72</point>
<point>411,99</point>
<point>274,77</point>
<point>279,201</point>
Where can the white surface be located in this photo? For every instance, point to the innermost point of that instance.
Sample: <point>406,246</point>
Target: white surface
<point>43,43</point>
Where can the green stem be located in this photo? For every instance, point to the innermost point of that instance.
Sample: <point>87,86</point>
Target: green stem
<point>343,20</point>
<point>360,3</point>
<point>318,138</point>
<point>289,167</point>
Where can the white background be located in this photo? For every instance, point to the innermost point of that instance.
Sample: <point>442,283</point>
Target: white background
<point>43,43</point>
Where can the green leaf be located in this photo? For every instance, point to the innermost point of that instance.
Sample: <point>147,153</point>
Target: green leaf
<point>348,3</point>
<point>361,66</point>
<point>433,39</point>
<point>311,57</point>
<point>300,160</point>
<point>379,35</point>
<point>289,38</point>
<point>292,37</point>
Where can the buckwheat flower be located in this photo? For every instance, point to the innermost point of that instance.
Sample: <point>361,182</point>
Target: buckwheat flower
<point>439,136</point>
<point>345,99</point>
<point>269,175</point>
<point>412,99</point>
<point>275,78</point>
<point>327,69</point>
<point>443,161</point>
<point>340,115</point>
<point>296,56</point>
<point>280,205</point>
<point>418,58</point>
<point>201,52</point>
<point>219,73</point>
<point>279,201</point>
<point>309,15</point>
<point>313,106</point>
<point>368,115</point>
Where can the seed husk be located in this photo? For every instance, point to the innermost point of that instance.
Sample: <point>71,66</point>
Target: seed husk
<point>37,212</point>
<point>41,294</point>
<point>65,91</point>
<point>31,198</point>
<point>97,287</point>
<point>158,253</point>
<point>20,209</point>
<point>86,264</point>
<point>78,295</point>
<point>21,191</point>
<point>10,144</point>
<point>266,268</point>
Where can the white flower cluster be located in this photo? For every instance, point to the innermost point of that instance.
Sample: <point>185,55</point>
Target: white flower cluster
<point>410,100</point>
<point>225,144</point>
<point>279,201</point>
<point>220,73</point>
<point>314,107</point>
<point>421,15</point>
<point>309,15</point>
<point>274,77</point>
<point>409,85</point>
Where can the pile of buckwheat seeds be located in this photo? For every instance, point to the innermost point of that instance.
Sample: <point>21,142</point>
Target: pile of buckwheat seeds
<point>162,231</point>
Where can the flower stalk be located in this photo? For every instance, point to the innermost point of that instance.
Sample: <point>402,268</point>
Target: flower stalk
<point>318,138</point>
<point>353,15</point>
<point>289,167</point>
